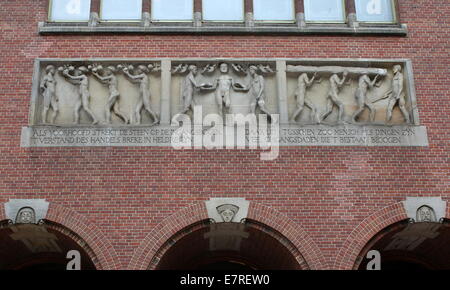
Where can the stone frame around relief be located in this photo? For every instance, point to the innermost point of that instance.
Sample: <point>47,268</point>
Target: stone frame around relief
<point>280,88</point>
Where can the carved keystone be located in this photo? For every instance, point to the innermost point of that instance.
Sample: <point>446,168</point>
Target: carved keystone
<point>425,209</point>
<point>26,211</point>
<point>227,209</point>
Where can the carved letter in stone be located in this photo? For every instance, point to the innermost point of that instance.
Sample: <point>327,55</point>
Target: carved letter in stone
<point>227,212</point>
<point>364,85</point>
<point>140,77</point>
<point>332,99</point>
<point>110,80</point>
<point>81,80</point>
<point>397,95</point>
<point>425,214</point>
<point>303,83</point>
<point>26,216</point>
<point>48,87</point>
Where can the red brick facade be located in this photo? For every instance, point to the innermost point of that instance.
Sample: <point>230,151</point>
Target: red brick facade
<point>126,202</point>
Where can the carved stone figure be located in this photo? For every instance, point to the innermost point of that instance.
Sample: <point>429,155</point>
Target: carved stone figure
<point>364,85</point>
<point>227,212</point>
<point>333,99</point>
<point>26,215</point>
<point>256,88</point>
<point>140,77</point>
<point>48,87</point>
<point>303,83</point>
<point>397,95</point>
<point>110,79</point>
<point>223,85</point>
<point>188,88</point>
<point>81,80</point>
<point>425,214</point>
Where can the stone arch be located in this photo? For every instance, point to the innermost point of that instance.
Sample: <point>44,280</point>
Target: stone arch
<point>391,217</point>
<point>82,231</point>
<point>159,239</point>
<point>365,231</point>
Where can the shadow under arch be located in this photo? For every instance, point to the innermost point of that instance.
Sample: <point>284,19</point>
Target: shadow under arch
<point>409,245</point>
<point>72,230</point>
<point>191,225</point>
<point>42,246</point>
<point>389,231</point>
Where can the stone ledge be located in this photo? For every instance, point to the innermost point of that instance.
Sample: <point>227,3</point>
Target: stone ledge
<point>45,28</point>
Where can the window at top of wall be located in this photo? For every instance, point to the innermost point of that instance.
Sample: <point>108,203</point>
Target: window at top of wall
<point>331,11</point>
<point>69,10</point>
<point>121,10</point>
<point>172,10</point>
<point>274,10</point>
<point>375,11</point>
<point>221,10</point>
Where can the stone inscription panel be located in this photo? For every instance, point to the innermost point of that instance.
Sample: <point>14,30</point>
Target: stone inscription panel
<point>161,136</point>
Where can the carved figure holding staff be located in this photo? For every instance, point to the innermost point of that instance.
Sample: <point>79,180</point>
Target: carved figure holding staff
<point>397,95</point>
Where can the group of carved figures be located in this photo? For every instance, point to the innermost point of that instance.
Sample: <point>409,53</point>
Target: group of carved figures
<point>222,86</point>
<point>107,76</point>
<point>365,83</point>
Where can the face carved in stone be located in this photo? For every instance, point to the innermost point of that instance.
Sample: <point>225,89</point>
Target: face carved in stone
<point>227,212</point>
<point>193,69</point>
<point>425,214</point>
<point>224,68</point>
<point>50,69</point>
<point>397,69</point>
<point>25,216</point>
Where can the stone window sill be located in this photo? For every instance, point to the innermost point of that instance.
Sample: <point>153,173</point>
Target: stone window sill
<point>205,28</point>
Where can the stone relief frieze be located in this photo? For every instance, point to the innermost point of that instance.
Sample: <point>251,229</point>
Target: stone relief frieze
<point>363,95</point>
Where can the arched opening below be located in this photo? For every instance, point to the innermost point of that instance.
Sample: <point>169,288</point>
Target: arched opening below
<point>228,246</point>
<point>39,247</point>
<point>410,246</point>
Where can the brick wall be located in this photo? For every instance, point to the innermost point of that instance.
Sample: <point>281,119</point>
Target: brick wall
<point>325,191</point>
